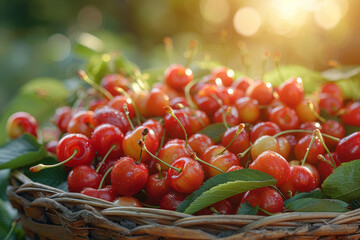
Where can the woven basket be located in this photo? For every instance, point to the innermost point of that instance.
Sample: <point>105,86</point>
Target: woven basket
<point>49,213</point>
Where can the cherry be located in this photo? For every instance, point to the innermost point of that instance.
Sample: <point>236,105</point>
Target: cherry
<point>313,151</point>
<point>351,114</point>
<point>82,122</point>
<point>81,177</point>
<point>131,147</point>
<point>304,113</point>
<point>156,102</point>
<point>261,91</point>
<point>173,128</point>
<point>348,148</point>
<point>311,126</point>
<point>242,83</point>
<point>273,164</point>
<point>331,88</point>
<point>248,109</point>
<point>239,145</point>
<point>107,193</point>
<point>291,92</point>
<point>177,76</point>
<point>330,103</point>
<point>20,123</point>
<point>198,119</point>
<point>78,143</point>
<point>208,99</point>
<point>284,117</point>
<point>62,117</point>
<point>112,116</point>
<point>263,128</point>
<point>128,176</point>
<point>224,74</point>
<point>227,114</point>
<point>103,167</point>
<point>156,126</point>
<point>327,168</point>
<point>262,144</point>
<point>189,178</point>
<point>118,103</point>
<point>51,146</point>
<point>172,200</point>
<point>335,129</point>
<point>267,198</point>
<point>98,103</point>
<point>223,207</point>
<point>157,186</point>
<point>113,81</point>
<point>178,102</point>
<point>128,201</point>
<point>284,146</point>
<point>172,151</point>
<point>104,137</point>
<point>200,142</point>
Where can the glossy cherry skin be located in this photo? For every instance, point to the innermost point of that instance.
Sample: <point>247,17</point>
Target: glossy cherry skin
<point>285,117</point>
<point>75,141</point>
<point>207,99</point>
<point>156,187</point>
<point>109,162</point>
<point>331,88</point>
<point>231,117</point>
<point>198,119</point>
<point>104,137</point>
<point>62,117</point>
<point>128,176</point>
<point>240,144</point>
<point>311,126</point>
<point>156,102</point>
<point>118,103</point>
<point>81,122</point>
<point>177,76</point>
<point>266,198</point>
<point>335,129</point>
<point>172,151</point>
<point>128,201</point>
<point>351,115</point>
<point>107,193</point>
<point>302,146</point>
<point>242,83</point>
<point>273,164</point>
<point>112,116</point>
<point>224,207</point>
<point>261,91</point>
<point>112,81</point>
<point>263,128</point>
<point>330,103</point>
<point>20,123</point>
<point>173,128</point>
<point>291,92</point>
<point>248,109</point>
<point>225,75</point>
<point>131,146</point>
<point>348,148</point>
<point>189,179</point>
<point>325,169</point>
<point>156,126</point>
<point>98,103</point>
<point>304,113</point>
<point>301,180</point>
<point>51,146</point>
<point>200,142</point>
<point>262,144</point>
<point>172,200</point>
<point>81,177</point>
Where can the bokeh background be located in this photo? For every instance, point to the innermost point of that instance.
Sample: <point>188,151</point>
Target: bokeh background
<point>54,38</point>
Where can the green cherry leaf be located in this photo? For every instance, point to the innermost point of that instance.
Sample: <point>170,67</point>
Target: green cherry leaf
<point>313,194</point>
<point>223,186</point>
<point>247,209</point>
<point>344,182</point>
<point>317,205</point>
<point>21,152</point>
<point>214,131</point>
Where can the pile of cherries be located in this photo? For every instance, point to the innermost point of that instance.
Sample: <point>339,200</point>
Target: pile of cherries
<point>145,148</point>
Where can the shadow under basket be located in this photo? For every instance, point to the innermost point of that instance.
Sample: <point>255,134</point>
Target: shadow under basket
<point>49,213</point>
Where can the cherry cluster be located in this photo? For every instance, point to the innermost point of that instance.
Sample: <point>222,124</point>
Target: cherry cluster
<point>147,148</point>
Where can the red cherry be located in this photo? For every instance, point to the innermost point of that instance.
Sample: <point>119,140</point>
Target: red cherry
<point>177,77</point>
<point>241,142</point>
<point>157,186</point>
<point>225,75</point>
<point>118,103</point>
<point>335,129</point>
<point>223,207</point>
<point>263,128</point>
<point>128,176</point>
<point>156,126</point>
<point>156,101</point>
<point>81,177</point>
<point>109,162</point>
<point>171,151</point>
<point>330,103</point>
<point>231,115</point>
<point>20,123</point>
<point>51,146</point>
<point>112,116</point>
<point>351,115</point>
<point>107,193</point>
<point>200,142</point>
<point>189,178</point>
<point>112,81</point>
<point>173,128</point>
<point>62,117</point>
<point>261,91</point>
<point>75,142</point>
<point>302,147</point>
<point>266,198</point>
<point>325,169</point>
<point>284,117</point>
<point>172,200</point>
<point>98,103</point>
<point>104,137</point>
<point>273,164</point>
<point>291,92</point>
<point>127,201</point>
<point>348,148</point>
<point>82,122</point>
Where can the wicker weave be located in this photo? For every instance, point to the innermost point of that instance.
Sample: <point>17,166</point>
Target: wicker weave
<point>49,213</point>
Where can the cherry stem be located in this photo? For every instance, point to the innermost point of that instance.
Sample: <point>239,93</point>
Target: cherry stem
<point>149,206</point>
<point>188,95</point>
<point>137,113</point>
<point>190,53</point>
<point>13,225</point>
<point>197,117</point>
<point>217,99</point>
<point>82,74</point>
<point>277,65</point>
<point>193,155</point>
<point>313,137</point>
<point>305,131</point>
<point>105,175</point>
<point>169,48</point>
<point>158,167</point>
<point>142,145</point>
<point>238,131</point>
<point>224,115</point>
<point>144,132</point>
<point>264,62</point>
<point>162,140</point>
<point>242,154</point>
<point>126,111</point>
<point>310,105</point>
<point>322,158</point>
<point>40,166</point>
<point>319,136</point>
<point>171,112</point>
<point>105,157</point>
<point>266,212</point>
<point>214,210</point>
